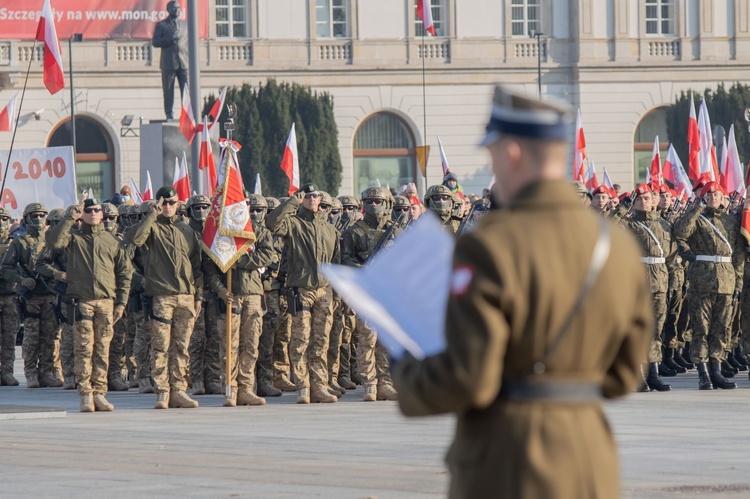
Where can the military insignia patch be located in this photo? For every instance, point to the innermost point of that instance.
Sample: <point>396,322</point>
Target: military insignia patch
<point>461,279</point>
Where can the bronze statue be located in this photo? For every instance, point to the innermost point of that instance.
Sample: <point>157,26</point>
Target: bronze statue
<point>171,36</point>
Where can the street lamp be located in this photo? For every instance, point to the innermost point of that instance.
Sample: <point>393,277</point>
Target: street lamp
<point>538,35</point>
<point>77,37</point>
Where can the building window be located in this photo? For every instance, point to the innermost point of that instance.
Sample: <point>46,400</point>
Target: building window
<point>332,18</point>
<point>231,19</point>
<point>526,17</point>
<point>438,19</point>
<point>384,153</point>
<point>660,15</point>
<point>652,124</point>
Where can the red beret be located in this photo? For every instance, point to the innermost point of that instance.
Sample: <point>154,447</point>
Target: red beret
<point>711,187</point>
<point>642,189</point>
<point>664,188</point>
<point>623,196</point>
<point>602,189</point>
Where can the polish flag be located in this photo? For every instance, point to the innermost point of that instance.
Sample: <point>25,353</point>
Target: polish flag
<point>443,158</point>
<point>135,190</point>
<point>579,153</point>
<point>181,179</point>
<point>654,174</point>
<point>215,111</point>
<point>424,12</point>
<point>708,163</point>
<point>8,115</point>
<point>590,179</point>
<point>745,223</point>
<point>694,141</point>
<point>54,78</point>
<point>675,174</point>
<point>206,163</point>
<point>258,187</point>
<point>733,167</point>
<point>608,182</point>
<point>148,192</point>
<point>290,162</point>
<point>187,118</point>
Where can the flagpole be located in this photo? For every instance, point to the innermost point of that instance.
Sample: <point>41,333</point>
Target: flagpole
<point>18,116</point>
<point>228,346</point>
<point>424,108</point>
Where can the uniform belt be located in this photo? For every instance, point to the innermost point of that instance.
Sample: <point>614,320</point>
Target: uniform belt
<point>550,391</point>
<point>653,260</point>
<point>713,258</point>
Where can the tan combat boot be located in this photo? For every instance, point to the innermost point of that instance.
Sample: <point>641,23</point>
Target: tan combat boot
<point>162,400</point>
<point>49,382</point>
<point>145,386</point>
<point>387,392</point>
<point>247,397</point>
<point>69,383</point>
<point>7,379</point>
<point>346,383</point>
<point>178,399</point>
<point>87,403</point>
<point>322,396</point>
<point>198,388</point>
<point>370,393</point>
<point>102,404</point>
<point>284,384</point>
<point>116,384</point>
<point>304,396</point>
<point>335,386</point>
<point>32,381</point>
<point>266,389</point>
<point>231,400</point>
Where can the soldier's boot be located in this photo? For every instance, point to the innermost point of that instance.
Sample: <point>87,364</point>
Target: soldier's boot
<point>371,393</point>
<point>304,396</point>
<point>132,379</point>
<point>679,358</point>
<point>198,388</point>
<point>32,381</point>
<point>654,380</point>
<point>335,386</point>
<point>283,384</point>
<point>686,353</point>
<point>726,370</point>
<point>321,395</point>
<point>145,386</point>
<point>58,375</point>
<point>247,397</point>
<point>69,383</point>
<point>102,404</point>
<point>714,372</point>
<point>346,383</point>
<point>49,382</point>
<point>7,379</point>
<point>214,388</point>
<point>666,371</point>
<point>732,360</point>
<point>178,399</point>
<point>357,378</point>
<point>333,392</point>
<point>671,363</point>
<point>162,400</point>
<point>644,386</point>
<point>266,389</point>
<point>87,403</point>
<point>704,380</point>
<point>117,384</point>
<point>231,400</point>
<point>387,392</point>
<point>740,356</point>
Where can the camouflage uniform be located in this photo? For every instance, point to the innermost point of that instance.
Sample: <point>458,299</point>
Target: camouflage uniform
<point>440,200</point>
<point>9,322</point>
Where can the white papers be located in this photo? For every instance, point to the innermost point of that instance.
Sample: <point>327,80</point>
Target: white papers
<point>403,291</point>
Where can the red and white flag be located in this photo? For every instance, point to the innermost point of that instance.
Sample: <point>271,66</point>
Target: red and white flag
<point>148,192</point>
<point>654,174</point>
<point>675,174</point>
<point>443,158</point>
<point>708,162</point>
<point>181,179</point>
<point>608,182</point>
<point>694,142</point>
<point>54,78</point>
<point>138,197</point>
<point>215,111</point>
<point>590,180</point>
<point>206,162</point>
<point>733,167</point>
<point>228,232</point>
<point>8,115</point>
<point>290,162</point>
<point>187,118</point>
<point>424,12</point>
<point>579,152</point>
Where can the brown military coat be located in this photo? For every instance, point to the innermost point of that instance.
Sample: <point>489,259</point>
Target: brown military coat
<point>516,277</point>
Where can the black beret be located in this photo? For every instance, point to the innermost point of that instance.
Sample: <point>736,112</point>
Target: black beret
<point>166,192</point>
<point>307,188</point>
<point>88,203</point>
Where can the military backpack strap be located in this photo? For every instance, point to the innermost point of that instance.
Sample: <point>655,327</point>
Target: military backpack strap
<point>599,257</point>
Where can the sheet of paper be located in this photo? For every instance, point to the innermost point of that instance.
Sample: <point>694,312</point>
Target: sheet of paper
<point>403,291</point>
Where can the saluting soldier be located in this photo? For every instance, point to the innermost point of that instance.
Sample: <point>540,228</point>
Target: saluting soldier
<point>540,325</point>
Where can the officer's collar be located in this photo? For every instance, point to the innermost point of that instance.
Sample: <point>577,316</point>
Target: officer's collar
<point>92,229</point>
<point>308,215</point>
<point>546,194</point>
<point>167,220</point>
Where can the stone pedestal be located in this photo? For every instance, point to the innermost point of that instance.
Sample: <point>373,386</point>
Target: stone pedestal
<point>161,143</point>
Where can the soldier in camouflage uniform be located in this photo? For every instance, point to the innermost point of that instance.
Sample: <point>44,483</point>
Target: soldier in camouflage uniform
<point>439,199</point>
<point>709,240</point>
<point>358,244</point>
<point>310,240</point>
<point>205,371</point>
<point>659,255</point>
<point>99,282</point>
<point>174,283</point>
<point>8,316</point>
<point>348,370</point>
<point>36,300</point>
<point>401,211</point>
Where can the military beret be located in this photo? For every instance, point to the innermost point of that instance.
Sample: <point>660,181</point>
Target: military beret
<point>642,189</point>
<point>166,192</point>
<point>602,189</point>
<point>712,187</point>
<point>88,203</point>
<point>307,188</point>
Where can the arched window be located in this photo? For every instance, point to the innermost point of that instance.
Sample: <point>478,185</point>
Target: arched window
<point>651,125</point>
<point>383,152</point>
<point>95,165</point>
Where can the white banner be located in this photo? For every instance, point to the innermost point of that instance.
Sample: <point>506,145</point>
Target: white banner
<point>46,176</point>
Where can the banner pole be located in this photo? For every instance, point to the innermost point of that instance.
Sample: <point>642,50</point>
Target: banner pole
<point>228,342</point>
<point>18,116</point>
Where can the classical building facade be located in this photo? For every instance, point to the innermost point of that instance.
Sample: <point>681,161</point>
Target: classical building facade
<point>619,61</point>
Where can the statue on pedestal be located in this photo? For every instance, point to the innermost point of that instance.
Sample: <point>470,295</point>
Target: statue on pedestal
<point>171,36</point>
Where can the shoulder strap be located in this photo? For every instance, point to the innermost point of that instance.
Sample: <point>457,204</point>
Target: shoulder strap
<point>718,232</point>
<point>599,257</point>
<point>658,245</point>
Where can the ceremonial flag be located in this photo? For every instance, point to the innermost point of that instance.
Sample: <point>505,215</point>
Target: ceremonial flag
<point>290,162</point>
<point>579,152</point>
<point>53,76</point>
<point>608,182</point>
<point>187,118</point>
<point>654,174</point>
<point>181,179</point>
<point>694,141</point>
<point>733,167</point>
<point>215,111</point>
<point>258,187</point>
<point>135,190</point>
<point>674,172</point>
<point>424,12</point>
<point>8,115</point>
<point>708,161</point>
<point>590,180</point>
<point>745,224</point>
<point>148,192</point>
<point>443,159</point>
<point>206,163</point>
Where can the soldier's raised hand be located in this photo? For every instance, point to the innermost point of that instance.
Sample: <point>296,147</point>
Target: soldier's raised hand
<point>75,212</point>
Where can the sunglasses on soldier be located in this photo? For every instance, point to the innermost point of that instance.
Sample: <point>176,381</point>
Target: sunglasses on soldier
<point>440,197</point>
<point>108,218</point>
<point>92,210</point>
<point>200,207</point>
<point>257,210</point>
<point>171,202</point>
<point>324,206</point>
<point>4,219</point>
<point>313,195</point>
<point>402,209</point>
<point>349,208</point>
<point>376,202</point>
<point>335,212</point>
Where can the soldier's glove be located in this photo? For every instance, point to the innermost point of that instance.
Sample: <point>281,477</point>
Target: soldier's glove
<point>28,283</point>
<point>225,295</point>
<point>74,212</point>
<point>198,305</point>
<point>61,276</point>
<point>118,312</point>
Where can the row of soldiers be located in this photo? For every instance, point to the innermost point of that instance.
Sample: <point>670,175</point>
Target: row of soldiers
<point>695,256</point>
<point>114,298</point>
